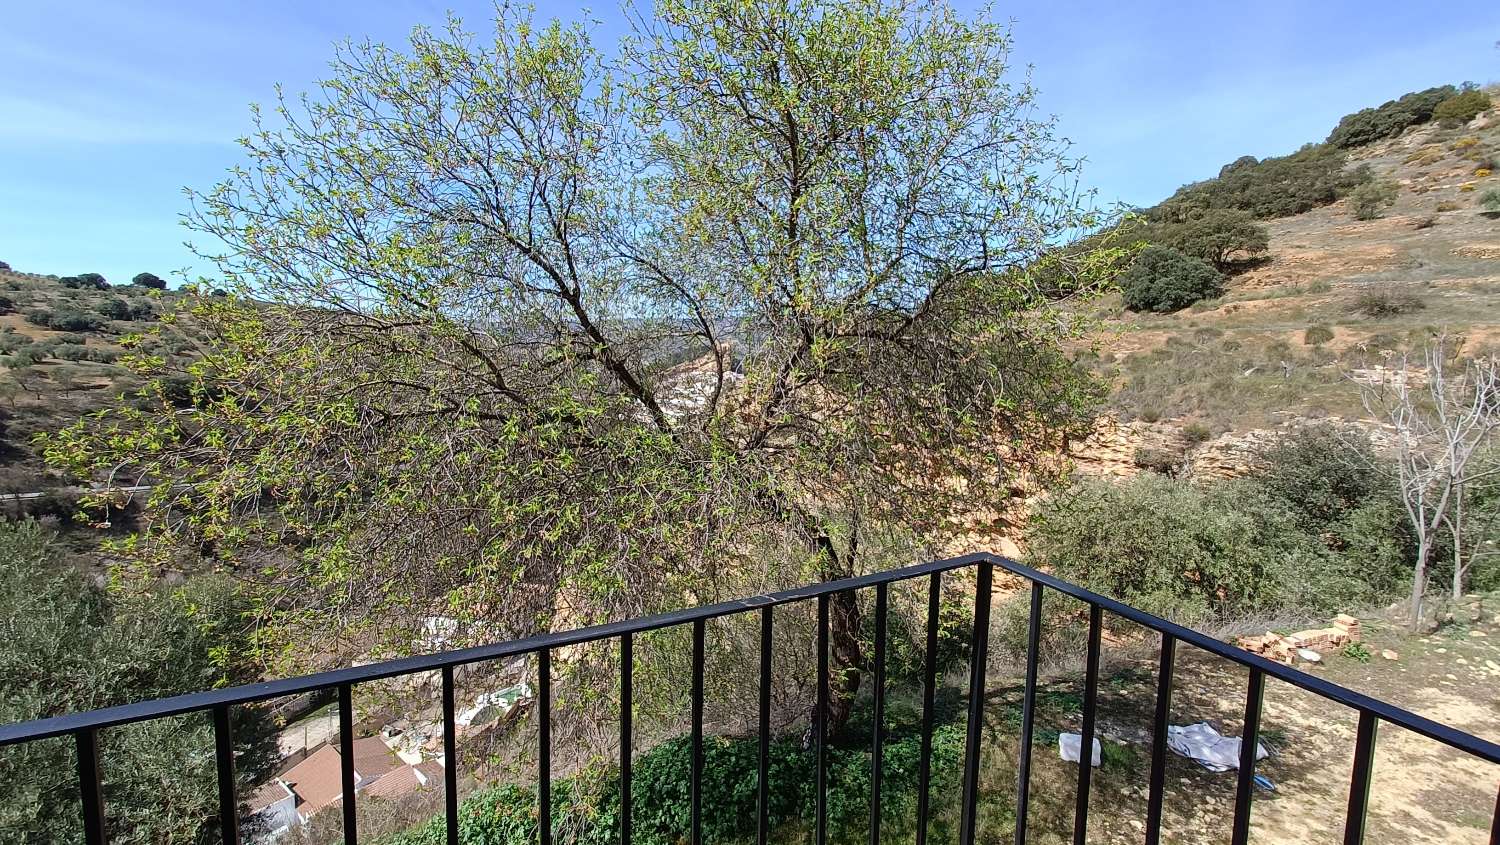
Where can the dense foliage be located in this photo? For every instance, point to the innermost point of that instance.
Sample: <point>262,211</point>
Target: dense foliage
<point>587,809</point>
<point>1316,528</point>
<point>1223,237</point>
<point>1388,119</point>
<point>1274,187</point>
<point>1164,280</point>
<point>1461,107</point>
<point>66,646</point>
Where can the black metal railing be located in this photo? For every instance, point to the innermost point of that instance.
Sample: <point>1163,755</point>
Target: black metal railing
<point>84,727</point>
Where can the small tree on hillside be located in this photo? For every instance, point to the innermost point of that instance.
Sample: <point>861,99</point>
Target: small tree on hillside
<point>149,280</point>
<point>1165,280</point>
<point>1461,107</point>
<point>1438,432</point>
<point>1221,236</point>
<point>1369,200</point>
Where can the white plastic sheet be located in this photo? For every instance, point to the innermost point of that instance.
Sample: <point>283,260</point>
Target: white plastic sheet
<point>1068,745</point>
<point>1201,742</point>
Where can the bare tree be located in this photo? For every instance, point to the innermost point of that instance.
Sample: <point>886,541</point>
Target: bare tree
<point>1438,431</point>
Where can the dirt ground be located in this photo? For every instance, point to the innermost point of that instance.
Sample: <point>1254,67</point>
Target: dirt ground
<point>1422,791</point>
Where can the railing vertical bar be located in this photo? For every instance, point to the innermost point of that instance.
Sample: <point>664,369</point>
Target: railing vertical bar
<point>978,660</point>
<point>1086,743</point>
<point>229,805</point>
<point>1249,742</point>
<point>820,725</point>
<point>1028,713</point>
<point>1159,738</point>
<point>929,693</point>
<point>877,732</point>
<point>1359,779</point>
<point>627,733</point>
<point>763,778</point>
<point>695,785</point>
<point>1495,821</point>
<point>450,758</point>
<point>90,788</point>
<point>544,745</point>
<point>346,762</point>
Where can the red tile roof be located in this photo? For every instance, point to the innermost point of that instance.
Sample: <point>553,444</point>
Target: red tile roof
<point>318,780</point>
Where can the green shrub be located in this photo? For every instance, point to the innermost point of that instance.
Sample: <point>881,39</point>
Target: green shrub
<point>114,308</point>
<point>1220,236</point>
<point>1367,201</point>
<point>149,280</point>
<point>1275,187</point>
<point>588,807</point>
<point>1164,280</point>
<point>1161,545</point>
<point>1386,301</point>
<point>1490,201</point>
<point>1389,119</point>
<point>1317,335</point>
<point>69,647</point>
<point>1196,432</point>
<point>1461,108</point>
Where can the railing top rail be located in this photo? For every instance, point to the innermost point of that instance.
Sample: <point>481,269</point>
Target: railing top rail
<point>1386,711</point>
<point>248,693</point>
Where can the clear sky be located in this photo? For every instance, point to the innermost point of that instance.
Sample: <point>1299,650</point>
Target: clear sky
<point>108,108</point>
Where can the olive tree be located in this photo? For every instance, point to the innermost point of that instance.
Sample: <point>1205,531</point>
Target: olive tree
<point>533,337</point>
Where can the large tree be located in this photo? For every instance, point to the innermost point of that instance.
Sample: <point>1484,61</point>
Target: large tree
<point>539,337</point>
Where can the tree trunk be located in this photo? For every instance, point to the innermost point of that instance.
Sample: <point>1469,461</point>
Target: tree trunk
<point>1419,580</point>
<point>1456,525</point>
<point>846,657</point>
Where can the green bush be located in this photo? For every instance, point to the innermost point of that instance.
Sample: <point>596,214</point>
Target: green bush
<point>1220,236</point>
<point>149,280</point>
<point>1461,108</point>
<point>1317,335</point>
<point>1159,544</point>
<point>1490,201</point>
<point>114,308</point>
<point>1275,187</point>
<point>69,646</point>
<point>1369,200</point>
<point>1315,528</point>
<point>1389,119</point>
<point>65,320</point>
<point>586,808</point>
<point>1164,280</point>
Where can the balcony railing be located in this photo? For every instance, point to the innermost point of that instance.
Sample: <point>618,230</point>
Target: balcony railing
<point>84,727</point>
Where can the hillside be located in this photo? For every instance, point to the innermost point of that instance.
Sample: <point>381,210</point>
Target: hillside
<point>1332,296</point>
<point>64,343</point>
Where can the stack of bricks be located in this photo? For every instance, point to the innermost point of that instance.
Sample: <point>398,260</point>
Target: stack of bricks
<point>1272,646</point>
<point>1344,629</point>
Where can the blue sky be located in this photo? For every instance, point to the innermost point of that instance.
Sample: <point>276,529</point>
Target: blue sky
<point>108,108</point>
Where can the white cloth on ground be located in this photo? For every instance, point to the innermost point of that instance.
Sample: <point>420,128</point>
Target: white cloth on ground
<point>1068,745</point>
<point>1201,742</point>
